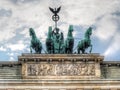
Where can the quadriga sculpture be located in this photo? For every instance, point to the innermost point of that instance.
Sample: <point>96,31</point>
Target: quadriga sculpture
<point>86,42</point>
<point>35,44</point>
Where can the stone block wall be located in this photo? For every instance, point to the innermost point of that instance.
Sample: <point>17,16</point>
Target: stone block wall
<point>10,70</point>
<point>110,70</point>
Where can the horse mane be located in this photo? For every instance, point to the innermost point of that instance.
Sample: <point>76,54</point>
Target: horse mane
<point>32,32</point>
<point>88,31</point>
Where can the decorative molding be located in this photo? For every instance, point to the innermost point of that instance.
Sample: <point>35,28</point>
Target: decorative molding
<point>60,57</point>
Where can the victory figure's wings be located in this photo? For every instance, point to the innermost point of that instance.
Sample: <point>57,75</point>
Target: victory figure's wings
<point>58,9</point>
<point>54,10</point>
<point>51,9</point>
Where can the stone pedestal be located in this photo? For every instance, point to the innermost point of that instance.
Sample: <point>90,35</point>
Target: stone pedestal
<point>61,66</point>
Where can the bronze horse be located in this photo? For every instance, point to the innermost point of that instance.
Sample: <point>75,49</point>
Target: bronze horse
<point>69,43</point>
<point>86,42</point>
<point>35,44</point>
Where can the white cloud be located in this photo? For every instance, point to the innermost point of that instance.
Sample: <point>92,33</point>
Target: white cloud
<point>85,12</point>
<point>106,28</point>
<point>10,54</point>
<point>11,59</point>
<point>37,15</point>
<point>114,47</point>
<point>3,49</point>
<point>15,47</point>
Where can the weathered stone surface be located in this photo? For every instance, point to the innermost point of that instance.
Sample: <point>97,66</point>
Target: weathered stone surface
<point>110,69</point>
<point>59,84</point>
<point>61,66</point>
<point>10,70</point>
<point>60,57</point>
<point>60,72</point>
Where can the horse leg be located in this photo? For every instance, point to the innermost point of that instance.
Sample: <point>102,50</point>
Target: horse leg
<point>83,51</point>
<point>70,51</point>
<point>78,51</point>
<point>30,49</point>
<point>40,51</point>
<point>65,50</point>
<point>90,48</point>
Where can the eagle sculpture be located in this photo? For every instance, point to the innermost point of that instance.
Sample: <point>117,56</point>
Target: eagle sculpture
<point>55,10</point>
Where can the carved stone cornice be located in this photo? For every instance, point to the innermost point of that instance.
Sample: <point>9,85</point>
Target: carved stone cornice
<point>60,57</point>
<point>9,63</point>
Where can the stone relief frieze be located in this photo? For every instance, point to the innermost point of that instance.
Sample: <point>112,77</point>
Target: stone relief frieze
<point>78,69</point>
<point>32,69</point>
<point>45,69</point>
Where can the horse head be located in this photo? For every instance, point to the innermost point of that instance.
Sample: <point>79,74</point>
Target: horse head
<point>31,31</point>
<point>49,32</point>
<point>88,33</point>
<point>71,28</point>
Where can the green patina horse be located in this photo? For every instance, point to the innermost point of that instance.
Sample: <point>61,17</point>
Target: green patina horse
<point>35,42</point>
<point>69,42</point>
<point>62,45</point>
<point>50,42</point>
<point>86,42</point>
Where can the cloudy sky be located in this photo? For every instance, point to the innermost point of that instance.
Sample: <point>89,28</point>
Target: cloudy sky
<point>17,16</point>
